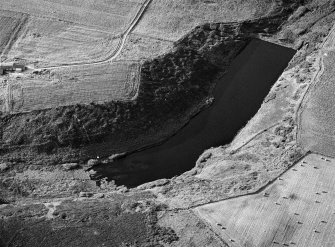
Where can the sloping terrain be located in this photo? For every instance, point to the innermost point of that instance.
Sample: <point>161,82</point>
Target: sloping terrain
<point>47,197</point>
<point>317,113</point>
<point>46,42</point>
<point>11,24</point>
<point>98,14</point>
<point>142,47</point>
<point>296,210</point>
<point>171,20</point>
<point>173,87</point>
<point>78,85</point>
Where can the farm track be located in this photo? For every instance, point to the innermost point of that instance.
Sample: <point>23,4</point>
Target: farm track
<point>118,49</point>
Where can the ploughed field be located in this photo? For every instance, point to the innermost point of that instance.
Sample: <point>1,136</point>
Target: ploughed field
<point>296,210</point>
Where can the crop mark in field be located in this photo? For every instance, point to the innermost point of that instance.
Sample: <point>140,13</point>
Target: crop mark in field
<point>297,210</point>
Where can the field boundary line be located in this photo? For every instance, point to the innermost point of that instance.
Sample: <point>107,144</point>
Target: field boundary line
<point>257,191</point>
<point>152,37</point>
<point>255,136</point>
<point>209,226</point>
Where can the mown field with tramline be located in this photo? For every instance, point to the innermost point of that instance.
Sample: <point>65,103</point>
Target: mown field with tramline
<point>296,210</point>
<point>10,23</point>
<point>112,16</point>
<point>47,42</point>
<point>77,85</point>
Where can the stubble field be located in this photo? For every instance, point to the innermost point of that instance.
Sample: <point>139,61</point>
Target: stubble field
<point>10,24</point>
<point>112,16</point>
<point>296,210</point>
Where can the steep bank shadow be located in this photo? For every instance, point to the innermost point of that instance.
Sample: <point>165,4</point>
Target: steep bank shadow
<point>238,96</point>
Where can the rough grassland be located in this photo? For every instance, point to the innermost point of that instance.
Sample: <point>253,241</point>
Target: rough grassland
<point>112,16</point>
<point>190,229</point>
<point>298,210</point>
<point>115,221</point>
<point>47,42</point>
<point>172,19</point>
<point>74,85</point>
<point>317,118</point>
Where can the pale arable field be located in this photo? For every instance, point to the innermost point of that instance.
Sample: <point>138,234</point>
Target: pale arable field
<point>74,85</point>
<point>296,210</point>
<point>167,21</point>
<point>72,44</point>
<point>141,47</point>
<point>101,15</point>
<point>10,22</point>
<point>47,42</point>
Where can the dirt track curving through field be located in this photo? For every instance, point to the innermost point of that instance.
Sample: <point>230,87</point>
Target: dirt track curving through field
<point>119,47</point>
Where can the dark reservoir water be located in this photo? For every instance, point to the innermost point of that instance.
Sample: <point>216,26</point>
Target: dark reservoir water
<point>238,96</point>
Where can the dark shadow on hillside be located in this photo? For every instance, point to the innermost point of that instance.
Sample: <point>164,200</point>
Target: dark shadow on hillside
<point>238,96</point>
